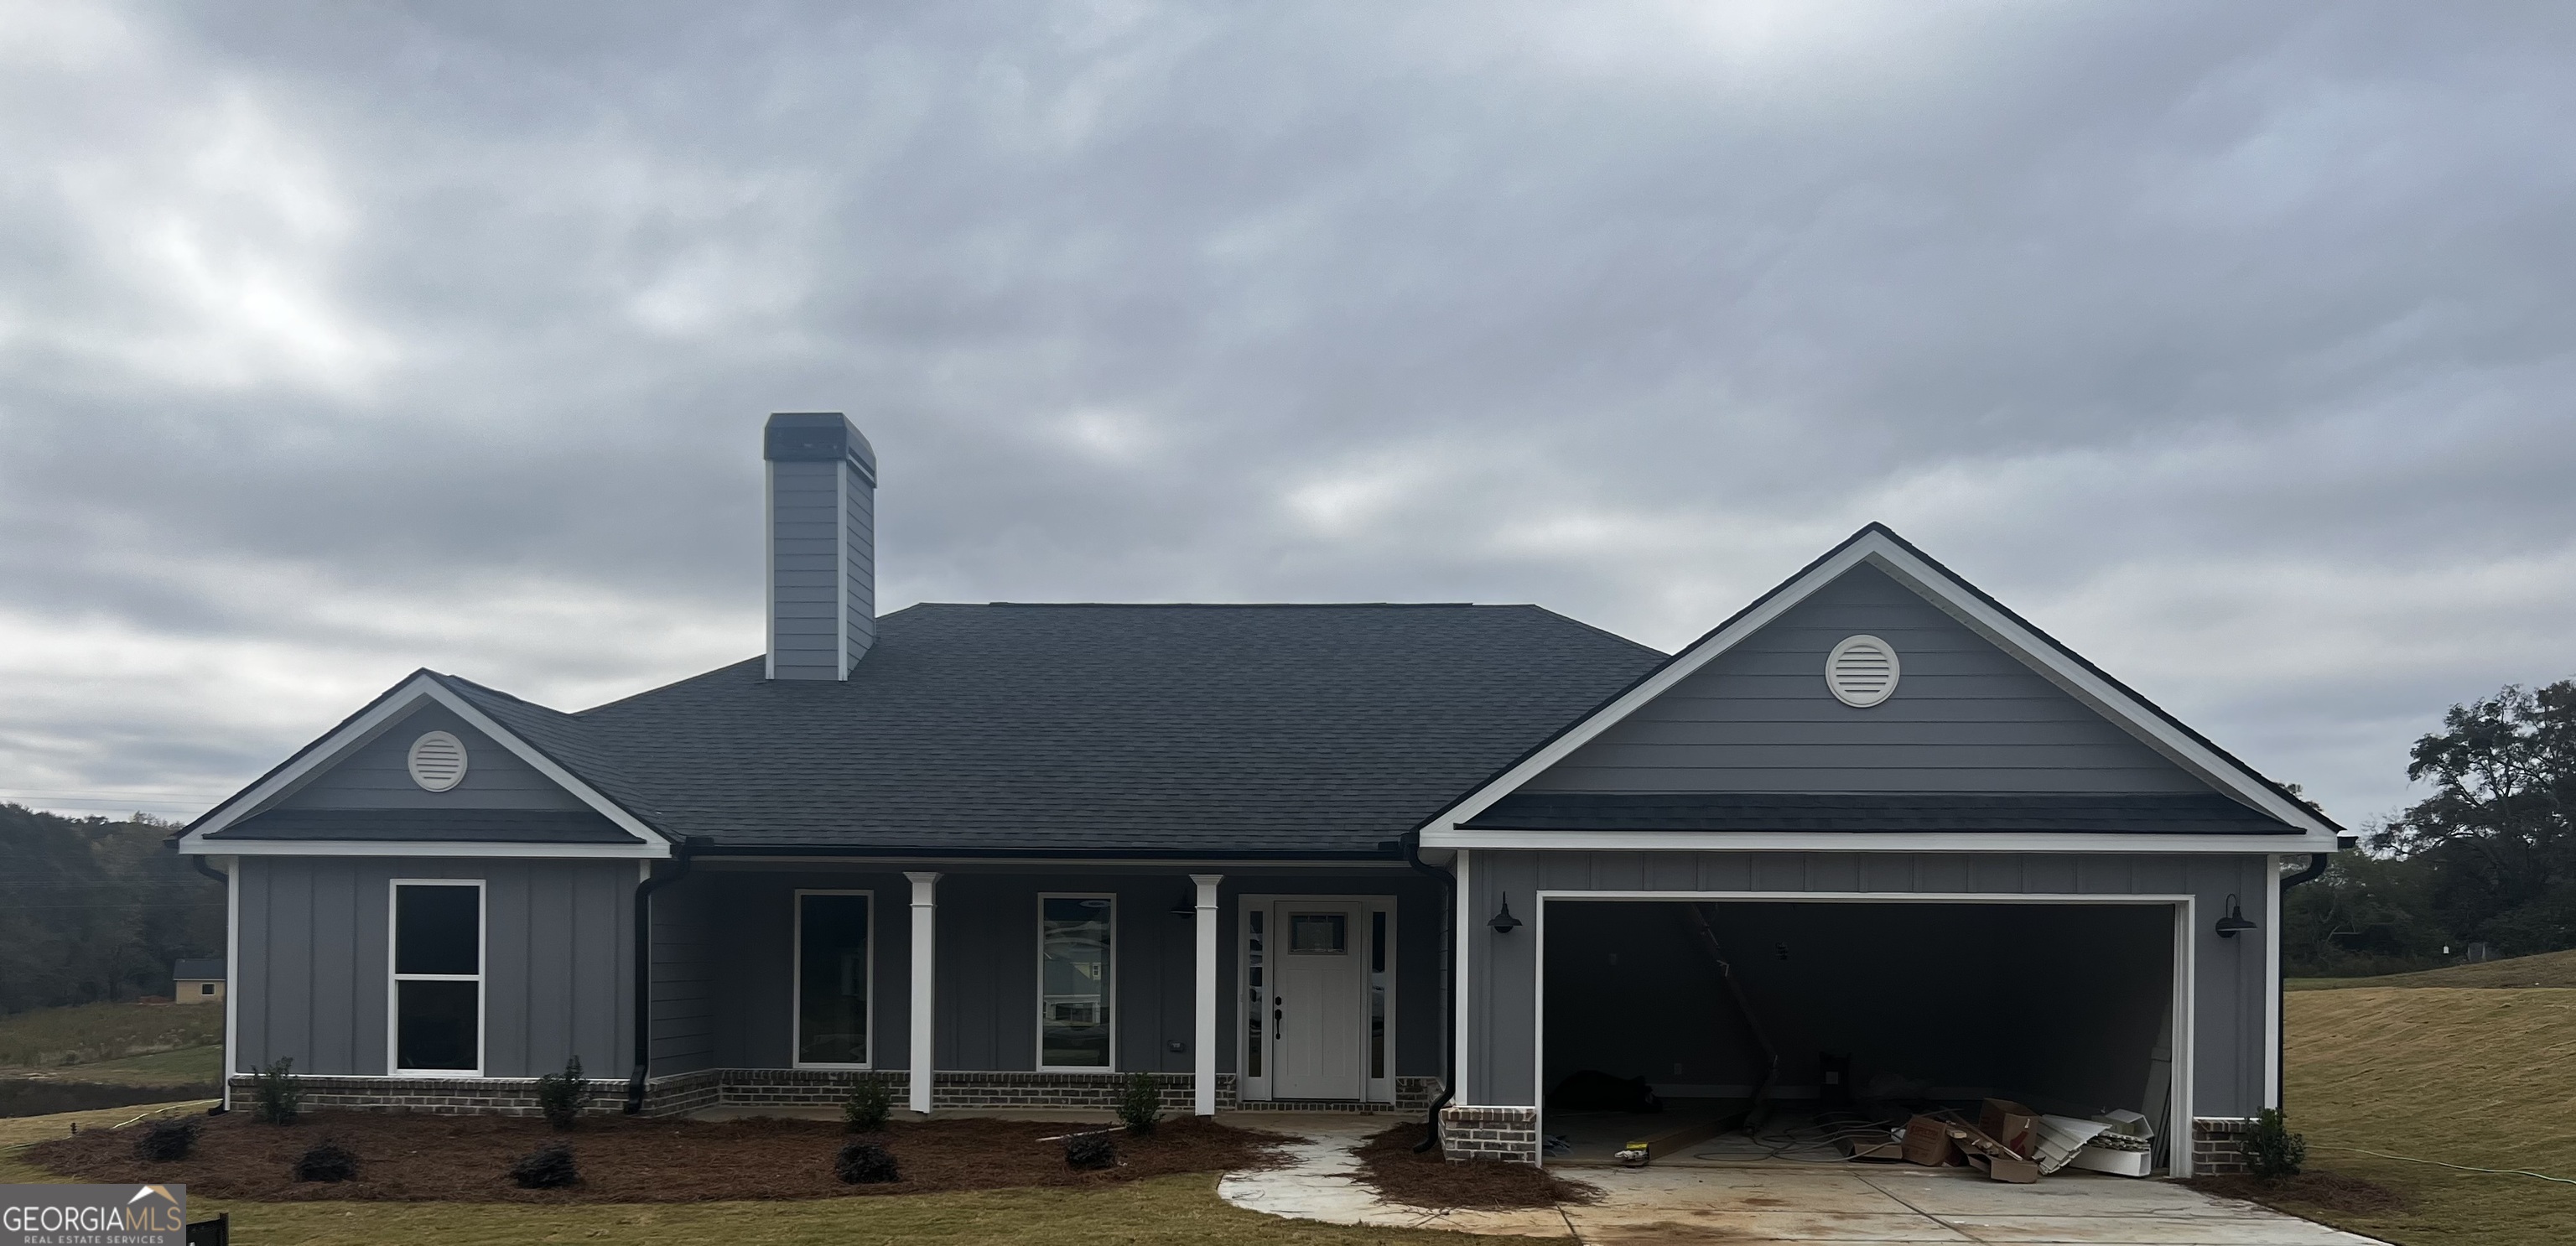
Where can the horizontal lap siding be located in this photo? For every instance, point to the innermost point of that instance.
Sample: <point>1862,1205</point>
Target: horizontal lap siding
<point>805,568</point>
<point>315,970</point>
<point>378,774</point>
<point>2230,1002</point>
<point>1966,716</point>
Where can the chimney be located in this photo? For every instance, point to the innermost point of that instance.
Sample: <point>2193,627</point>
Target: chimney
<point>822,544</point>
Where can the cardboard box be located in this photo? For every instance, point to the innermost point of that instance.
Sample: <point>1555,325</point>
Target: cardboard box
<point>2007,1168</point>
<point>2011,1124</point>
<point>1927,1142</point>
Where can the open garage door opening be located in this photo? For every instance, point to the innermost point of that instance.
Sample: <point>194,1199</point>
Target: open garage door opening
<point>1751,1031</point>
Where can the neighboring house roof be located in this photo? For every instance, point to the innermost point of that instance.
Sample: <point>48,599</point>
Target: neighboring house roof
<point>1275,730</point>
<point>198,969</point>
<point>2210,814</point>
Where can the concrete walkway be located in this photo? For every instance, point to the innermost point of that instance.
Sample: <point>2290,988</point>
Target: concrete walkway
<point>1780,1203</point>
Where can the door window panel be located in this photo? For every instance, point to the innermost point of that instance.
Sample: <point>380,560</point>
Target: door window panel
<point>1318,934</point>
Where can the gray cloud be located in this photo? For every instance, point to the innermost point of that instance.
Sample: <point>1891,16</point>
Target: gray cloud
<point>2229,344</point>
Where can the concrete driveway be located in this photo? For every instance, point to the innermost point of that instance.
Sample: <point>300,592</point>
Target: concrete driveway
<point>1779,1202</point>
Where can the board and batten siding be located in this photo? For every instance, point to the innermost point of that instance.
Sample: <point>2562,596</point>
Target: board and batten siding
<point>1965,717</point>
<point>315,967</point>
<point>377,775</point>
<point>1502,970</point>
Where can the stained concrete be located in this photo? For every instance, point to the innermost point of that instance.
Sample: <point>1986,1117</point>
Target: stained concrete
<point>1780,1202</point>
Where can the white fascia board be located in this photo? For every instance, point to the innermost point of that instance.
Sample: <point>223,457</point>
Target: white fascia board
<point>364,727</point>
<point>1866,841</point>
<point>1953,598</point>
<point>419,848</point>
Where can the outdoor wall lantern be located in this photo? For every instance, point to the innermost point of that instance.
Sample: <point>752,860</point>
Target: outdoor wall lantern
<point>1504,922</point>
<point>2235,919</point>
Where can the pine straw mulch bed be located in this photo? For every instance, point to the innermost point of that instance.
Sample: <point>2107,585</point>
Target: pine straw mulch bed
<point>1389,1165</point>
<point>424,1158</point>
<point>2315,1191</point>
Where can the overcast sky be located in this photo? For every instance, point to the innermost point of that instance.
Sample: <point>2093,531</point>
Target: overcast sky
<point>2229,343</point>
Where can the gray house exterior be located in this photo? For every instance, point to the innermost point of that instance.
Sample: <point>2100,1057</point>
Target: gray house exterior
<point>1405,858</point>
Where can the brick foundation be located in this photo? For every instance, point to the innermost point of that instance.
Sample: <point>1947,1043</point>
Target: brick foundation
<point>2218,1145</point>
<point>1506,1134</point>
<point>682,1093</point>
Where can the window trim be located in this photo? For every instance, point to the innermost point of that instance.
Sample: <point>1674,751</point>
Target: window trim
<point>796,979</point>
<point>481,977</point>
<point>1108,990</point>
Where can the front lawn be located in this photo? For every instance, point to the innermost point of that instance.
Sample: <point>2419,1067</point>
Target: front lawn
<point>53,1038</point>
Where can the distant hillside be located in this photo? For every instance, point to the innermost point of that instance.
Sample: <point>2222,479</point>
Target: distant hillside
<point>2556,969</point>
<point>95,909</point>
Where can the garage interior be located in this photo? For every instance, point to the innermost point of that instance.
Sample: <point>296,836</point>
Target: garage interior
<point>1842,1020</point>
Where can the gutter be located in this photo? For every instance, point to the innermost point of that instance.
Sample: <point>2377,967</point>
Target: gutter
<point>681,854</point>
<point>1448,988</point>
<point>2318,863</point>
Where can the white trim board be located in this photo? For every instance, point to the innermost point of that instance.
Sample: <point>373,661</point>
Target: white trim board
<point>362,729</point>
<point>2184,984</point>
<point>1859,841</point>
<point>1879,548</point>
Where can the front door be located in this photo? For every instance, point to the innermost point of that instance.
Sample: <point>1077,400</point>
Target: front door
<point>1319,995</point>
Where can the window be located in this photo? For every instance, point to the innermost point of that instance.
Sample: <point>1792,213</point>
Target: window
<point>438,977</point>
<point>1257,1007</point>
<point>1318,934</point>
<point>205,988</point>
<point>1377,994</point>
<point>1074,981</point>
<point>833,970</point>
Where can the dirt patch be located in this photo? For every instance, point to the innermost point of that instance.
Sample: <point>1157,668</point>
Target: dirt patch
<point>420,1158</point>
<point>1389,1165</point>
<point>23,1096</point>
<point>2315,1191</point>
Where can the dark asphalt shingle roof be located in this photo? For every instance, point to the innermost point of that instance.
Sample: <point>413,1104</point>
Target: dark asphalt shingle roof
<point>198,969</point>
<point>1286,730</point>
<point>1866,812</point>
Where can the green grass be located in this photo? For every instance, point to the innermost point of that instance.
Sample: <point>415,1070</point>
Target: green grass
<point>2483,1077</point>
<point>1155,1212</point>
<point>47,1038</point>
<point>188,1066</point>
<point>2548,969</point>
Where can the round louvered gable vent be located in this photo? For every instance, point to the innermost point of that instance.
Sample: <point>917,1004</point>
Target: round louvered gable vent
<point>1861,671</point>
<point>437,761</point>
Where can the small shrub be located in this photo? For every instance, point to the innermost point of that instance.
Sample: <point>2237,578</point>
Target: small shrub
<point>1142,1105</point>
<point>1088,1151</point>
<point>327,1161</point>
<point>2272,1151</point>
<point>868,1106</point>
<point>277,1097</point>
<point>560,1096</point>
<point>166,1141</point>
<point>549,1167</point>
<point>864,1163</point>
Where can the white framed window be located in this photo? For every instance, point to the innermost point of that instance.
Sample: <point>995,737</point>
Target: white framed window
<point>835,991</point>
<point>434,999</point>
<point>1077,982</point>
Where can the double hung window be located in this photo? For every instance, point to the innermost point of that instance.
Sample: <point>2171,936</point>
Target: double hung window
<point>437,985</point>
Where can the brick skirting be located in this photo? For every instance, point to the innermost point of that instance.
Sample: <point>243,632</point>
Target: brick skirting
<point>2218,1145</point>
<point>1507,1134</point>
<point>454,1096</point>
<point>682,1093</point>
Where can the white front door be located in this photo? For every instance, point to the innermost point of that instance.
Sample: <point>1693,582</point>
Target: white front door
<point>1319,996</point>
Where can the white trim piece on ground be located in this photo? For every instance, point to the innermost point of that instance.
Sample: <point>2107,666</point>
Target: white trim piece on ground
<point>1203,1007</point>
<point>395,977</point>
<point>1955,598</point>
<point>796,985</point>
<point>2184,984</point>
<point>925,930</point>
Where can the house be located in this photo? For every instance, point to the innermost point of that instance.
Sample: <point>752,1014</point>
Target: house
<point>197,980</point>
<point>1414,858</point>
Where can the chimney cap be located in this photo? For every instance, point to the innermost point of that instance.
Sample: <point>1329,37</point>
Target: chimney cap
<point>817,436</point>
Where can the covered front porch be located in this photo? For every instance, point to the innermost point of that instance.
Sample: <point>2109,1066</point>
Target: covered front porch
<point>1038,985</point>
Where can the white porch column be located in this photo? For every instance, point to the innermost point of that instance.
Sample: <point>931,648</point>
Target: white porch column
<point>1203,1032</point>
<point>925,914</point>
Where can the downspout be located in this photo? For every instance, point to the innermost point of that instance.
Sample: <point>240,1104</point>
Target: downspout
<point>2316,868</point>
<point>1448,989</point>
<point>644,890</point>
<point>231,973</point>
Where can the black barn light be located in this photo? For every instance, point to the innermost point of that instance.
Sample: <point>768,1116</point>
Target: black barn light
<point>1504,922</point>
<point>2229,925</point>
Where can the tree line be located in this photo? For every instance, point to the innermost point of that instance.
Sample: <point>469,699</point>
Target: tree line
<point>2488,857</point>
<point>96,909</point>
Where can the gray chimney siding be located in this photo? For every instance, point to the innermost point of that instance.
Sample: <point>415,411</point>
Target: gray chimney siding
<point>822,546</point>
